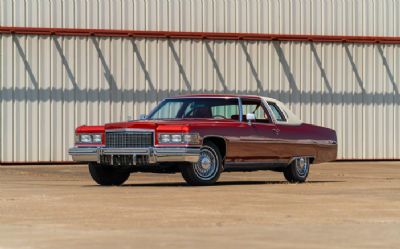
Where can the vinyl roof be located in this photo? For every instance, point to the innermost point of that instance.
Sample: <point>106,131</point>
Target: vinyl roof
<point>216,96</point>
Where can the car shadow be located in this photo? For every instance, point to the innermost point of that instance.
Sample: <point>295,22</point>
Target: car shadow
<point>222,183</point>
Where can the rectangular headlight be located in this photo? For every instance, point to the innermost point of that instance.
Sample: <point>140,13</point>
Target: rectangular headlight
<point>88,138</point>
<point>97,138</point>
<point>178,138</point>
<point>164,138</point>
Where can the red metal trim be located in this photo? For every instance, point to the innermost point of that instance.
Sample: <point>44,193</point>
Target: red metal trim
<point>198,35</point>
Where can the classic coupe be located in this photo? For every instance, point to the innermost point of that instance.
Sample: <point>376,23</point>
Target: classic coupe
<point>202,136</point>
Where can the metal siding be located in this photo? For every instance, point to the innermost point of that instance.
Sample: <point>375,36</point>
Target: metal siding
<point>73,81</point>
<point>50,85</point>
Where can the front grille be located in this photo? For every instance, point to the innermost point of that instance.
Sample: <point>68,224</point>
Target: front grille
<point>129,139</point>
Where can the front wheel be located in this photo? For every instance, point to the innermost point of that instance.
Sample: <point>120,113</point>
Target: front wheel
<point>207,170</point>
<point>106,175</point>
<point>298,170</point>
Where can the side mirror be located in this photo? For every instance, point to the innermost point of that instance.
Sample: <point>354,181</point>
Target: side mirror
<point>142,116</point>
<point>250,117</point>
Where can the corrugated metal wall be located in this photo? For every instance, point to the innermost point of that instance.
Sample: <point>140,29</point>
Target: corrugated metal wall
<point>50,85</point>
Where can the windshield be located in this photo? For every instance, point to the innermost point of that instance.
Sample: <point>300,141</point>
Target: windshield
<point>214,108</point>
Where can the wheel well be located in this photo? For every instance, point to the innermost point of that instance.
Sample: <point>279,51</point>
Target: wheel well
<point>219,142</point>
<point>310,158</point>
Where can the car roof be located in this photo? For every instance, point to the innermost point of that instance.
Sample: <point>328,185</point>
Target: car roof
<point>220,96</point>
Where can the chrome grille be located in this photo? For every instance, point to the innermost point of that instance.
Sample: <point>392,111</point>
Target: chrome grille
<point>129,139</point>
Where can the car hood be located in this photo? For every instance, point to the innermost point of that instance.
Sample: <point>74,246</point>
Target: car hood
<point>173,124</point>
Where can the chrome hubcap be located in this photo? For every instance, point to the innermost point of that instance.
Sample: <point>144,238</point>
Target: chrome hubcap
<point>205,163</point>
<point>207,166</point>
<point>302,165</point>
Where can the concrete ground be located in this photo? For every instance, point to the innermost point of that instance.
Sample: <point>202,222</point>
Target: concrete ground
<point>343,205</point>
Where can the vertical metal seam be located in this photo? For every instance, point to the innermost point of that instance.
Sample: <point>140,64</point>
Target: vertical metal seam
<point>50,142</point>
<point>374,110</point>
<point>146,57</point>
<point>396,120</point>
<point>51,132</point>
<point>1,95</point>
<point>12,105</point>
<point>13,130</point>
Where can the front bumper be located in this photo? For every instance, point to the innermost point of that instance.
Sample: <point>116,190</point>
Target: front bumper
<point>155,155</point>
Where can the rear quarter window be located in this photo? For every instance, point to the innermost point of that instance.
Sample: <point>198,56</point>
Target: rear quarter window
<point>277,112</point>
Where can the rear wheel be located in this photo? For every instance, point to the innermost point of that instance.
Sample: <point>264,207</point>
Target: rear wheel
<point>298,170</point>
<point>108,176</point>
<point>207,170</point>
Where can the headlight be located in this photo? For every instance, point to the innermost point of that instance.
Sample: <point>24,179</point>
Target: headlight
<point>88,138</point>
<point>178,138</point>
<point>85,138</point>
<point>96,138</point>
<point>164,138</point>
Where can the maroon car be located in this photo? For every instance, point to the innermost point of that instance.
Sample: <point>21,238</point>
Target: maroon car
<point>202,136</point>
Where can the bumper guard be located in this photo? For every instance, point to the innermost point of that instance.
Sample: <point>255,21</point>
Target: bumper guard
<point>155,154</point>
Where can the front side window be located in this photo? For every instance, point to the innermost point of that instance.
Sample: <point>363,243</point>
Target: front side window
<point>210,108</point>
<point>255,106</point>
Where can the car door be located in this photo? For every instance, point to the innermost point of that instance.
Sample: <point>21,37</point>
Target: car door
<point>260,138</point>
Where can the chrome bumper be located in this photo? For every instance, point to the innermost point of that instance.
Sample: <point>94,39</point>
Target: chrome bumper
<point>156,155</point>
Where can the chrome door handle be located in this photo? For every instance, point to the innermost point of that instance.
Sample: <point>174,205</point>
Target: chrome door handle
<point>276,130</point>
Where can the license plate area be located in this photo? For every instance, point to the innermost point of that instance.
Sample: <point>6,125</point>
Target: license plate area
<point>124,160</point>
